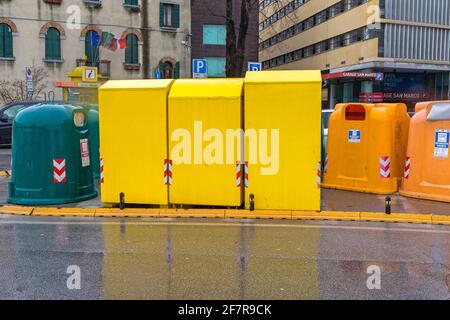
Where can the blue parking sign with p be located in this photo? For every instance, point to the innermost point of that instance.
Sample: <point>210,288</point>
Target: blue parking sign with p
<point>254,66</point>
<point>200,68</point>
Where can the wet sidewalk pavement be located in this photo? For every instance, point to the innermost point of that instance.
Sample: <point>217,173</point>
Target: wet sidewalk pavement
<point>332,200</point>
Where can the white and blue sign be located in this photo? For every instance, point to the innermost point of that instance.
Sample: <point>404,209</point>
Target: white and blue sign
<point>441,142</point>
<point>200,68</point>
<point>354,136</point>
<point>379,76</point>
<point>254,66</point>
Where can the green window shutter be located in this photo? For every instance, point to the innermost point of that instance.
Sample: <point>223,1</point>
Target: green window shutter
<point>135,50</point>
<point>161,69</point>
<point>161,14</point>
<point>176,16</point>
<point>90,50</point>
<point>128,50</point>
<point>132,50</point>
<point>6,41</point>
<point>53,44</point>
<point>176,72</point>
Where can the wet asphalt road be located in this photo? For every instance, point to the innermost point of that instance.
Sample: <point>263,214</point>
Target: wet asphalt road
<point>220,259</point>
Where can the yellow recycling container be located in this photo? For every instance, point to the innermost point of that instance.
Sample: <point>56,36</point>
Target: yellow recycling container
<point>204,115</point>
<point>133,135</point>
<point>283,139</point>
<point>427,173</point>
<point>367,147</point>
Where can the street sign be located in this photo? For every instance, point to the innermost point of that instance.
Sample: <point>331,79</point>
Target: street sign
<point>200,68</point>
<point>89,74</point>
<point>29,79</point>
<point>254,66</point>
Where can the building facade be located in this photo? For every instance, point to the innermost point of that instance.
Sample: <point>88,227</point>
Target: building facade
<point>60,35</point>
<point>368,50</point>
<point>209,33</point>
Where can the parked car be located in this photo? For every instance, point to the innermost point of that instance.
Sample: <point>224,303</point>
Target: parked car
<point>7,114</point>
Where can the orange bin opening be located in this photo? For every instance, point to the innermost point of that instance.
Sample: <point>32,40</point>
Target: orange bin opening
<point>355,112</point>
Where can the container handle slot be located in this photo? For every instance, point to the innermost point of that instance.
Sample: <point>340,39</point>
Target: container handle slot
<point>355,112</point>
<point>439,112</point>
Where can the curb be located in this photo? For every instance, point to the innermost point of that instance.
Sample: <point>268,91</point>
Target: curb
<point>227,214</point>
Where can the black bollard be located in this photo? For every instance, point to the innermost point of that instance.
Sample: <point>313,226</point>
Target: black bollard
<point>387,203</point>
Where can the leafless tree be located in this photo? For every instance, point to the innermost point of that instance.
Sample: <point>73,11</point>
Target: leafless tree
<point>236,40</point>
<point>237,33</point>
<point>16,90</point>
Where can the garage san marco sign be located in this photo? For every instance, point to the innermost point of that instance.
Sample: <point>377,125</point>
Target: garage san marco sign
<point>377,76</point>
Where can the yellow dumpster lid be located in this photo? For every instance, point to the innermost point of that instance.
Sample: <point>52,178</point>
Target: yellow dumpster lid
<point>137,84</point>
<point>288,76</point>
<point>207,89</point>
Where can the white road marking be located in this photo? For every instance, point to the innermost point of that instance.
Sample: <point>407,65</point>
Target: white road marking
<point>172,222</point>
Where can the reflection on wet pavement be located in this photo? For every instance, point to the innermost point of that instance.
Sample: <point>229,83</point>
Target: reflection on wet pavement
<point>219,259</point>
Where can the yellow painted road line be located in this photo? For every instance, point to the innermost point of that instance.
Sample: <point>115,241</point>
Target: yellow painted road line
<point>397,217</point>
<point>64,212</point>
<point>440,219</point>
<point>126,213</point>
<point>192,213</point>
<point>16,210</point>
<point>326,215</point>
<point>258,214</point>
<point>226,213</point>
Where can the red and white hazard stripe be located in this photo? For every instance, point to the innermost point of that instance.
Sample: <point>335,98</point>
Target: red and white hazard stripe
<point>385,167</point>
<point>102,174</point>
<point>407,167</point>
<point>246,174</point>
<point>168,172</point>
<point>59,171</point>
<point>325,168</point>
<point>319,174</point>
<point>239,174</point>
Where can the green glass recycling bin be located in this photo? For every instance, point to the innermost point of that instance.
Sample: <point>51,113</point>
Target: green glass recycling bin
<point>50,156</point>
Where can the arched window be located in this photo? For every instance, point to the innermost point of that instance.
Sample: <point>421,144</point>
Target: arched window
<point>6,41</point>
<point>53,44</point>
<point>169,69</point>
<point>91,46</point>
<point>132,49</point>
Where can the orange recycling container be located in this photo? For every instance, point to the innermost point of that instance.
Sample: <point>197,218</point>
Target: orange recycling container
<point>427,171</point>
<point>366,147</point>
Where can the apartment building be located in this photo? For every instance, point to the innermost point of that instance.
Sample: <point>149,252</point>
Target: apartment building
<point>209,33</point>
<point>60,35</point>
<point>368,50</point>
